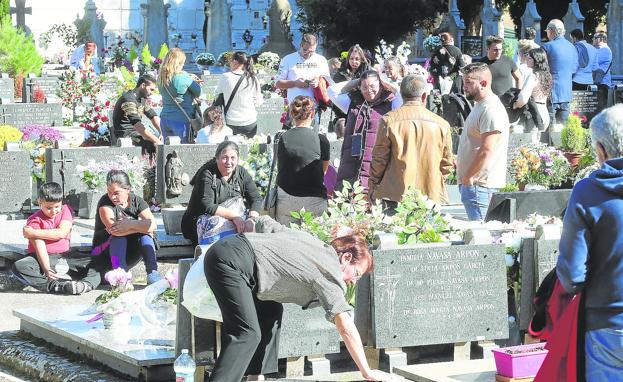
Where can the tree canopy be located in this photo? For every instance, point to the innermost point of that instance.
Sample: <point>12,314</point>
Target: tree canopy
<point>347,22</point>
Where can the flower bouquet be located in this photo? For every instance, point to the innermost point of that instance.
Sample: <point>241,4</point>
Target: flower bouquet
<point>160,303</point>
<point>258,163</point>
<point>9,133</point>
<point>115,312</point>
<point>205,59</point>
<point>432,42</point>
<point>36,139</point>
<point>93,175</point>
<point>539,164</point>
<point>269,61</point>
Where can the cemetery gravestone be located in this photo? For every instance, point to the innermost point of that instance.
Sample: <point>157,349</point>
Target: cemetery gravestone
<point>585,103</point>
<point>182,169</point>
<point>60,167</point>
<point>269,116</point>
<point>49,85</point>
<point>508,206</point>
<point>7,89</point>
<point>306,332</point>
<point>22,114</point>
<point>15,187</point>
<point>471,45</point>
<point>439,295</point>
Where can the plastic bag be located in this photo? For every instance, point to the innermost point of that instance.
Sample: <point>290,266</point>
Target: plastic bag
<point>198,297</point>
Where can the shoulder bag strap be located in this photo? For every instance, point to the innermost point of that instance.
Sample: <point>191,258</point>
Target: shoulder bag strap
<point>177,103</point>
<point>233,93</point>
<point>272,166</point>
<point>607,70</point>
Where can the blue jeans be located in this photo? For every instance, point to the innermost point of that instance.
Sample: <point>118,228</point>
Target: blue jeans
<point>172,128</point>
<point>604,355</point>
<point>475,199</point>
<point>560,111</point>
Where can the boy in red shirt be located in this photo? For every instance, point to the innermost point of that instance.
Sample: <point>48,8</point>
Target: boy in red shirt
<point>50,264</point>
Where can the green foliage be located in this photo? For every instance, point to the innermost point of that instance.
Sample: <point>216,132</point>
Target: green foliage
<point>146,57</point>
<point>18,53</point>
<point>107,297</point>
<point>509,187</point>
<point>169,295</point>
<point>128,78</point>
<point>368,21</point>
<point>164,49</point>
<point>132,55</point>
<point>509,47</point>
<point>418,219</point>
<point>573,137</point>
<point>4,9</point>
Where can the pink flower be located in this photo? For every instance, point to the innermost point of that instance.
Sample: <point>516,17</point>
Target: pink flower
<point>173,279</point>
<point>118,277</point>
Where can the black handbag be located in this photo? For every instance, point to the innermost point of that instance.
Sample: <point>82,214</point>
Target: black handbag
<point>196,121</point>
<point>220,98</point>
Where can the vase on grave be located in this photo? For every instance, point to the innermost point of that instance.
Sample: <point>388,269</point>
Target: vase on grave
<point>87,207</point>
<point>573,158</point>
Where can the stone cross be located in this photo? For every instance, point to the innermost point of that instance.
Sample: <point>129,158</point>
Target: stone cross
<point>491,21</point>
<point>20,10</point>
<point>456,24</point>
<point>531,18</point>
<point>573,19</point>
<point>61,171</point>
<point>615,34</point>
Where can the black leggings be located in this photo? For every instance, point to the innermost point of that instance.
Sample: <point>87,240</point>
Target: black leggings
<point>250,332</point>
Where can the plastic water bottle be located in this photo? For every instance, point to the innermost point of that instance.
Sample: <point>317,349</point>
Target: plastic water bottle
<point>184,367</point>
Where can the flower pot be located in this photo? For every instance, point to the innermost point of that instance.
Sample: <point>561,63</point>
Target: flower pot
<point>87,207</point>
<point>573,159</point>
<point>534,187</point>
<point>519,361</point>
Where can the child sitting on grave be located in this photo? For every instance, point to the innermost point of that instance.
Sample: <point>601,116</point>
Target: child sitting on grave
<point>124,229</point>
<point>215,131</point>
<point>51,265</point>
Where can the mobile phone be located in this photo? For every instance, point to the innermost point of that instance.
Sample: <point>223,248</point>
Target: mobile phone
<point>357,145</point>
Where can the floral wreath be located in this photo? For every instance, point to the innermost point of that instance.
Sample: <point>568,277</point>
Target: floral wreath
<point>247,37</point>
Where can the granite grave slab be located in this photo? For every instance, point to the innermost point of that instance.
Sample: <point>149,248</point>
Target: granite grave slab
<point>585,103</point>
<point>508,206</point>
<point>21,114</point>
<point>60,166</point>
<point>15,187</point>
<point>538,258</point>
<point>436,295</point>
<point>50,85</point>
<point>141,351</point>
<point>7,89</point>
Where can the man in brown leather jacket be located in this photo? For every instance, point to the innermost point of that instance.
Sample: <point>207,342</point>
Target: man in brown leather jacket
<point>413,148</point>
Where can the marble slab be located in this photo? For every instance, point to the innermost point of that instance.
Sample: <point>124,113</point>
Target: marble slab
<point>143,352</point>
<point>480,370</point>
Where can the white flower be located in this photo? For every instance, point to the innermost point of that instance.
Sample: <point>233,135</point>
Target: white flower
<point>509,260</point>
<point>511,240</point>
<point>80,110</point>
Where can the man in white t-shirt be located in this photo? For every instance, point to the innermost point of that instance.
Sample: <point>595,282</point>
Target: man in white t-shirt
<point>483,146</point>
<point>299,71</point>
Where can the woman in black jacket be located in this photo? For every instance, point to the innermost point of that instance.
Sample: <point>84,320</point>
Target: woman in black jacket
<point>223,189</point>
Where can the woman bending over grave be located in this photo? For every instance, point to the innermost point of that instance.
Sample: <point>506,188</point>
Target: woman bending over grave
<point>302,157</point>
<point>179,91</point>
<point>223,192</point>
<point>124,229</point>
<point>252,274</point>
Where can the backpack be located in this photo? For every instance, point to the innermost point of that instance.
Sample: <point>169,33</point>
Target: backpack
<point>455,108</point>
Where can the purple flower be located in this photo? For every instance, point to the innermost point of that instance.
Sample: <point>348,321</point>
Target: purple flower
<point>118,277</point>
<point>173,279</point>
<point>548,171</point>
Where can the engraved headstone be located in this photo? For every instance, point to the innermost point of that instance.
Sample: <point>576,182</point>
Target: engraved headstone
<point>471,45</point>
<point>439,295</point>
<point>70,158</point>
<point>6,89</point>
<point>21,114</point>
<point>15,187</point>
<point>573,19</point>
<point>306,332</point>
<point>585,103</point>
<point>49,85</point>
<point>531,18</point>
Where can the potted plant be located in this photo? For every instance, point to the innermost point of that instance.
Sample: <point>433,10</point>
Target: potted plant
<point>93,176</point>
<point>519,361</point>
<point>538,166</point>
<point>573,140</point>
<point>115,315</point>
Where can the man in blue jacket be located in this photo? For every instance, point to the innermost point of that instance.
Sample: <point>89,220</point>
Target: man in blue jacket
<point>563,63</point>
<point>591,249</point>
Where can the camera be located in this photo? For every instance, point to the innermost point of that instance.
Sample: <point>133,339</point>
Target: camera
<point>308,82</point>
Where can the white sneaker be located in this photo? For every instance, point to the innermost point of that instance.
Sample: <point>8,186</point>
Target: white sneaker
<point>153,277</point>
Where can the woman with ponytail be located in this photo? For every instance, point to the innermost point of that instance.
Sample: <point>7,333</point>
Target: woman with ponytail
<point>302,159</point>
<point>241,115</point>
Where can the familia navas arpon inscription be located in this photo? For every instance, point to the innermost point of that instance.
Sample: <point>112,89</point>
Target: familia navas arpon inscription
<point>439,295</point>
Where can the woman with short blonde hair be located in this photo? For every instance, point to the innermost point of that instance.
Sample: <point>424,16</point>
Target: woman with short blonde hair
<point>178,89</point>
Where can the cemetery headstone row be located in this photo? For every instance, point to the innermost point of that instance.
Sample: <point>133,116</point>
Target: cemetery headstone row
<point>22,114</point>
<point>7,89</point>
<point>15,187</point>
